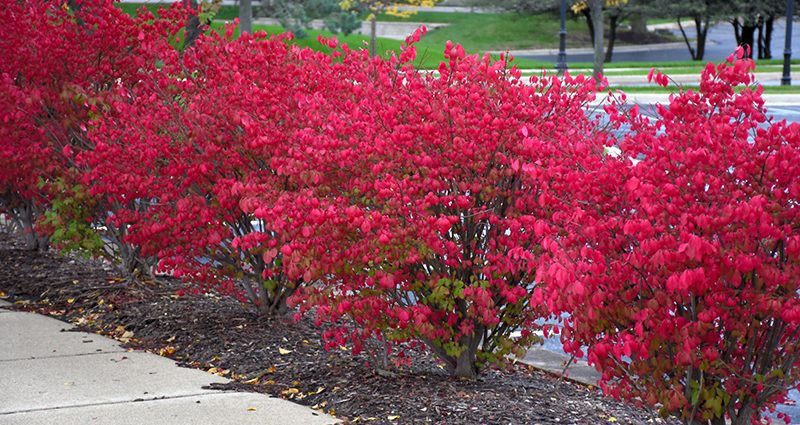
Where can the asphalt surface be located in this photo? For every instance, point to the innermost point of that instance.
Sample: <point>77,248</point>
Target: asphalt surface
<point>721,43</point>
<point>790,113</point>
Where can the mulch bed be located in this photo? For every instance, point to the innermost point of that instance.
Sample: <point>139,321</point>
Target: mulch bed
<point>286,358</point>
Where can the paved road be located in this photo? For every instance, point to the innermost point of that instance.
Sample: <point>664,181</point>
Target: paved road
<point>721,43</point>
<point>788,112</point>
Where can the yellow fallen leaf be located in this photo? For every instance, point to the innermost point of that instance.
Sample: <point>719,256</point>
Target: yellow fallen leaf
<point>290,392</point>
<point>393,417</point>
<point>70,300</point>
<point>251,409</point>
<point>283,352</point>
<point>166,351</point>
<point>218,371</point>
<point>170,339</point>
<point>126,336</point>
<point>253,381</point>
<point>269,382</point>
<point>3,295</point>
<point>612,419</point>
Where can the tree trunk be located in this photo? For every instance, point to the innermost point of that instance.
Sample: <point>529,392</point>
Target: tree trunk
<point>769,26</point>
<point>373,35</point>
<point>133,265</point>
<point>638,24</point>
<point>692,52</point>
<point>596,7</point>
<point>589,24</point>
<point>465,363</point>
<point>612,37</point>
<point>702,25</point>
<point>748,39</point>
<point>246,16</point>
<point>737,31</point>
<point>760,38</point>
<point>26,216</point>
<point>192,24</point>
<point>743,416</point>
<point>268,303</point>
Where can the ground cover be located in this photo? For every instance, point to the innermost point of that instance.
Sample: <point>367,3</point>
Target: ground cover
<point>285,358</point>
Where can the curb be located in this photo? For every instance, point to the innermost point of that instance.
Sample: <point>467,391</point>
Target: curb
<point>586,50</point>
<point>578,372</point>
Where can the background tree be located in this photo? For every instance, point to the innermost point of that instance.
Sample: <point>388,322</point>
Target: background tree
<point>595,8</point>
<point>753,23</point>
<point>702,13</point>
<point>370,9</point>
<point>296,16</point>
<point>614,10</point>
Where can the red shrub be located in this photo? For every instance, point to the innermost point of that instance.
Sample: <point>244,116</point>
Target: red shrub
<point>58,69</point>
<point>425,200</point>
<point>681,272</point>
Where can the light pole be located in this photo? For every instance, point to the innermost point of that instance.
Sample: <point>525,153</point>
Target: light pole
<point>786,80</point>
<point>561,64</point>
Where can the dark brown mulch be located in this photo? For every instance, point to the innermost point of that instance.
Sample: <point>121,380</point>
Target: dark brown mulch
<point>286,358</point>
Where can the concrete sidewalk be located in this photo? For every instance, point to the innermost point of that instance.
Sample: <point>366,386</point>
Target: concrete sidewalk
<point>51,376</point>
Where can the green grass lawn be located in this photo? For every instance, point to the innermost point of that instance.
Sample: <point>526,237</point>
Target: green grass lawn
<point>225,13</point>
<point>497,31</point>
<point>477,33</point>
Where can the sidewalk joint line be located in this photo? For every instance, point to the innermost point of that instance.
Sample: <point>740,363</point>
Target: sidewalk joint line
<point>112,403</point>
<point>57,356</point>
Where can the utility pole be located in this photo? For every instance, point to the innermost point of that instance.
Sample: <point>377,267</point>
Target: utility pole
<point>786,80</point>
<point>561,64</point>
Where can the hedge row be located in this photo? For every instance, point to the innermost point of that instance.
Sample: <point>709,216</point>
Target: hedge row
<point>454,209</point>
